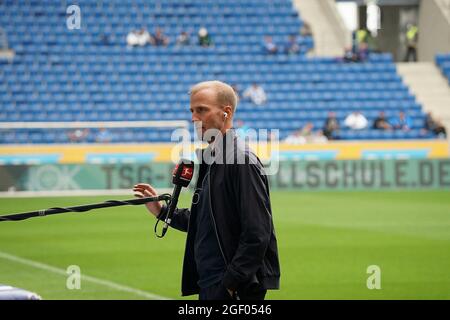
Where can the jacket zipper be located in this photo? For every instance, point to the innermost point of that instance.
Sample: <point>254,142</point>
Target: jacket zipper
<point>212,216</point>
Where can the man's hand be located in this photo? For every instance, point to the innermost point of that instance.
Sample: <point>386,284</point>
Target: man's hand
<point>231,292</point>
<point>142,190</point>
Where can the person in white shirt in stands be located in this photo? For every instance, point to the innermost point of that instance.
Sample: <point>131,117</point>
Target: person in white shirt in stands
<point>256,94</point>
<point>103,136</point>
<point>356,121</point>
<point>138,38</point>
<point>306,135</point>
<point>295,138</point>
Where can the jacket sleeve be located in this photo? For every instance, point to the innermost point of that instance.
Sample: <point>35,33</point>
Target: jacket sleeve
<point>253,204</point>
<point>180,218</point>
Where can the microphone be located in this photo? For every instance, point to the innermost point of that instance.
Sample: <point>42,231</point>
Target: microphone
<point>181,177</point>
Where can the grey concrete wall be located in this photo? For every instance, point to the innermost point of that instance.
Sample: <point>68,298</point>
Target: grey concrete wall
<point>342,33</point>
<point>434,29</point>
<point>388,36</point>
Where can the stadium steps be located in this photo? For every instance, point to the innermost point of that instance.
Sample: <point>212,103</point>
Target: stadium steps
<point>329,32</point>
<point>429,86</point>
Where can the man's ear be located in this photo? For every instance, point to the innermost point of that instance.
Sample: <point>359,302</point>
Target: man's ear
<point>229,111</point>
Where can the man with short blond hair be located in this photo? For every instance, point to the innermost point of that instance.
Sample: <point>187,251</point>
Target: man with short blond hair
<point>231,248</point>
<point>225,94</point>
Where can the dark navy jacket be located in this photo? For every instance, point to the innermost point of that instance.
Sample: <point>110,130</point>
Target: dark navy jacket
<point>242,218</point>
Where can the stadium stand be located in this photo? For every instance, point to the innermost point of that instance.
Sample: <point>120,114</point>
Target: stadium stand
<point>443,62</point>
<point>90,74</point>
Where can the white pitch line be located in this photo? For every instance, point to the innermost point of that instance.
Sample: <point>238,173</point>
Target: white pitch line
<point>106,283</point>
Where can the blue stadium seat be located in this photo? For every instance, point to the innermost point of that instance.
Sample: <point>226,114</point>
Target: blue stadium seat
<point>443,61</point>
<point>69,75</point>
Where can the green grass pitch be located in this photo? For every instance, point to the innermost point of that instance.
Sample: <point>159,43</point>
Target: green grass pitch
<point>326,242</point>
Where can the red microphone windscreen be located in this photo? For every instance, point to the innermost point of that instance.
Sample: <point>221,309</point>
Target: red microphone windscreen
<point>183,173</point>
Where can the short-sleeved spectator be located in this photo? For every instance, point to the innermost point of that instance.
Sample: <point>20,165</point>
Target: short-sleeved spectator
<point>402,122</point>
<point>381,123</point>
<point>159,39</point>
<point>295,138</point>
<point>306,134</point>
<point>363,52</point>
<point>269,46</point>
<point>349,55</point>
<point>103,136</point>
<point>138,38</point>
<point>256,94</point>
<point>356,121</point>
<point>204,39</point>
<point>331,127</point>
<point>78,135</point>
<point>434,126</point>
<point>183,39</point>
<point>292,46</point>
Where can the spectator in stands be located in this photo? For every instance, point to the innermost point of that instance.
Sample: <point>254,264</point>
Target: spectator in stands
<point>183,39</point>
<point>306,30</point>
<point>103,136</point>
<point>159,39</point>
<point>434,126</point>
<point>133,38</point>
<point>307,130</point>
<point>138,38</point>
<point>356,121</point>
<point>306,134</point>
<point>78,135</point>
<point>311,135</point>
<point>292,46</point>
<point>363,52</point>
<point>269,46</point>
<point>381,122</point>
<point>360,55</point>
<point>331,127</point>
<point>204,38</point>
<point>412,35</point>
<point>256,94</point>
<point>403,122</point>
<point>295,138</point>
<point>349,55</point>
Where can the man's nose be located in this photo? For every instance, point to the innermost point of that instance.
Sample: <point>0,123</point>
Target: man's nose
<point>194,118</point>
